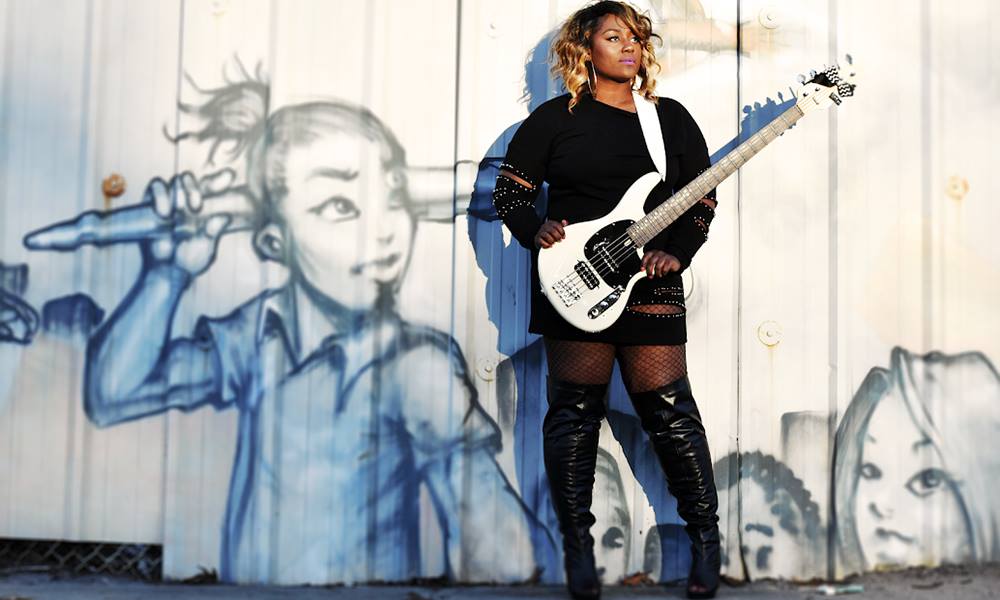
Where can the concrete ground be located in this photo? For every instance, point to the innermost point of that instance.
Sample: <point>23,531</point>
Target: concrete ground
<point>960,583</point>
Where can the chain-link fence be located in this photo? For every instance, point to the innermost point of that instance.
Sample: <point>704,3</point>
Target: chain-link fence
<point>142,561</point>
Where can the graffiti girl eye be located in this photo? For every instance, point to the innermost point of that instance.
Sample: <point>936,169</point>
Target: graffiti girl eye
<point>926,482</point>
<point>613,538</point>
<point>870,471</point>
<point>336,209</point>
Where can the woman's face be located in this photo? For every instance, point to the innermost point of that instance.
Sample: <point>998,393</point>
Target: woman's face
<point>907,508</point>
<point>346,226</point>
<point>615,50</point>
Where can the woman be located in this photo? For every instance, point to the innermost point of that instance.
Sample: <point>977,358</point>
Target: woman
<point>589,147</point>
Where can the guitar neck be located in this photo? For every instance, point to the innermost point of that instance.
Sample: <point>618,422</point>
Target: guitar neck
<point>671,209</point>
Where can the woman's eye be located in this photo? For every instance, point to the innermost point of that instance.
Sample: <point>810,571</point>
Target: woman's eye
<point>926,482</point>
<point>613,38</point>
<point>870,471</point>
<point>336,209</point>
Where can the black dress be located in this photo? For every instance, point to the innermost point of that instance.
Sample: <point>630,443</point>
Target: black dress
<point>589,158</point>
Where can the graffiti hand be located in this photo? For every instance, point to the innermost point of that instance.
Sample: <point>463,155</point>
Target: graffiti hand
<point>188,243</point>
<point>218,182</point>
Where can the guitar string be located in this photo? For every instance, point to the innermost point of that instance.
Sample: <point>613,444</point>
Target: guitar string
<point>613,258</point>
<point>575,280</point>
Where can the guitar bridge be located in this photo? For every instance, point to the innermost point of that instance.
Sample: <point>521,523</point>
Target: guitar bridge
<point>566,291</point>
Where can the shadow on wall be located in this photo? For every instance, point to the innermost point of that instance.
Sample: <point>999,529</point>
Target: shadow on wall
<point>334,441</point>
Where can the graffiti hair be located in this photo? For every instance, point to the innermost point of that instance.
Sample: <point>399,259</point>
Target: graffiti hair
<point>238,113</point>
<point>773,476</point>
<point>571,49</point>
<point>235,112</point>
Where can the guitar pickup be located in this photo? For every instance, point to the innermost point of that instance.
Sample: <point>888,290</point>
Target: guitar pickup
<point>587,275</point>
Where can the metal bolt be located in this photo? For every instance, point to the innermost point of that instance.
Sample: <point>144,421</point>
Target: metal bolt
<point>769,17</point>
<point>957,188</point>
<point>486,369</point>
<point>769,333</point>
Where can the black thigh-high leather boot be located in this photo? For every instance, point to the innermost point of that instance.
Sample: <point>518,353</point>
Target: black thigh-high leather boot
<point>670,416</point>
<point>570,431</point>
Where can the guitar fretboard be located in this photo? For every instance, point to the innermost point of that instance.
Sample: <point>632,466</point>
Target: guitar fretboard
<point>671,209</point>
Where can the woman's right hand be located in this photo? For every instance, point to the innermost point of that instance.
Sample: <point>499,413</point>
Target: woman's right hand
<point>190,243</point>
<point>550,232</point>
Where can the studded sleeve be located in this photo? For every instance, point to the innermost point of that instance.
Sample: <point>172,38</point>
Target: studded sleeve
<point>526,159</point>
<point>686,235</point>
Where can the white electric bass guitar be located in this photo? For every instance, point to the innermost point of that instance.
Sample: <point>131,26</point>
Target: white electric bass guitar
<point>589,275</point>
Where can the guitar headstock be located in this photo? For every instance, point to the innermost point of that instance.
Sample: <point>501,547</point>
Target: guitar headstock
<point>827,87</point>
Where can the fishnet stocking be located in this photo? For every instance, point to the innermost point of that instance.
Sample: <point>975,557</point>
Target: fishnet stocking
<point>646,368</point>
<point>658,309</point>
<point>643,368</point>
<point>580,362</point>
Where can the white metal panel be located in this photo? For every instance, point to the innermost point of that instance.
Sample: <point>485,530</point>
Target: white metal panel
<point>83,88</point>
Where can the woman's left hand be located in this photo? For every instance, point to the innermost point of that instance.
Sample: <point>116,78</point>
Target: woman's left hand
<point>657,263</point>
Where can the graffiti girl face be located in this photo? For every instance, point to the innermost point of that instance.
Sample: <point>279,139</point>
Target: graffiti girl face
<point>346,226</point>
<point>612,528</point>
<point>768,546</point>
<point>907,506</point>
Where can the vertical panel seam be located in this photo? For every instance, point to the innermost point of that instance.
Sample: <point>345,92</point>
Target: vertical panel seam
<point>833,292</point>
<point>466,478</point>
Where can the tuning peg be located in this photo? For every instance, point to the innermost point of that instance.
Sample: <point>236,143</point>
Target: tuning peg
<point>849,59</point>
<point>812,73</point>
<point>802,79</point>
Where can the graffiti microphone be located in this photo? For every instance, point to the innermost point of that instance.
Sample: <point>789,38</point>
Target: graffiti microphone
<point>431,191</point>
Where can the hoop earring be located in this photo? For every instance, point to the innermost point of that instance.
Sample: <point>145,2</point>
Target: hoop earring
<point>594,71</point>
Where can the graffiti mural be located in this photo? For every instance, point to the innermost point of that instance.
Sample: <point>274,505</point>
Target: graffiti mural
<point>18,319</point>
<point>911,478</point>
<point>294,349</point>
<point>335,439</point>
<point>779,530</point>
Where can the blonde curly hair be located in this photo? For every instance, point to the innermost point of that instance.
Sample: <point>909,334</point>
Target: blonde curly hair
<point>571,48</point>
